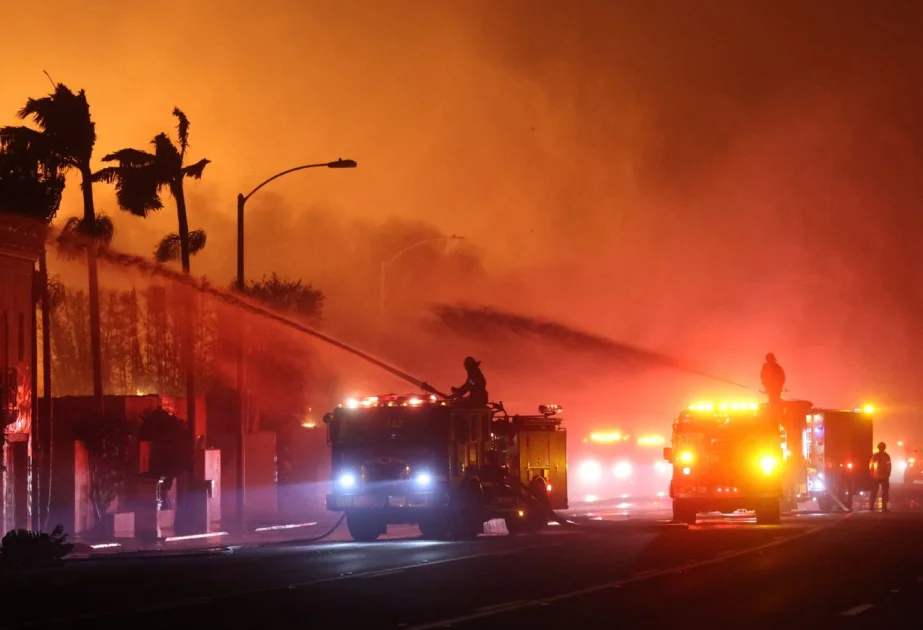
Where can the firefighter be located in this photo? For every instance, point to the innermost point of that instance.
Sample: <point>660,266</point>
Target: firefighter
<point>475,386</point>
<point>880,469</point>
<point>773,378</point>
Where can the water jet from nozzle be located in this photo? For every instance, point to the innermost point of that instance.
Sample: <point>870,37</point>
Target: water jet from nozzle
<point>479,321</point>
<point>201,285</point>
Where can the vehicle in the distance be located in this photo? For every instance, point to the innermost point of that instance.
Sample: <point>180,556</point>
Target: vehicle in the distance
<point>611,464</point>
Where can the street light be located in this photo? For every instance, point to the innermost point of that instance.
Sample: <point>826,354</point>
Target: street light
<point>242,200</point>
<point>385,263</point>
<point>244,413</point>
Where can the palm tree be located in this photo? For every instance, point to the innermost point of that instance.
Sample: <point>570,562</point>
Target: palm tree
<point>139,179</point>
<point>66,134</point>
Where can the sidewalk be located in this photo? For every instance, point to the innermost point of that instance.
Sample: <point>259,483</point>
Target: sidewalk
<point>221,540</point>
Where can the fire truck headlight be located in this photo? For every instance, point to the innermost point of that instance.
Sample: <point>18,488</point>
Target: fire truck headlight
<point>347,480</point>
<point>768,463</point>
<point>423,479</point>
<point>590,472</point>
<point>622,470</point>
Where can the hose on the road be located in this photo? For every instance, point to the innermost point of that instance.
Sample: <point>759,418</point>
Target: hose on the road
<point>322,536</point>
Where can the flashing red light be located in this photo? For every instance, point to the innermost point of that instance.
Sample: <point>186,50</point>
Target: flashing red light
<point>549,487</point>
<point>849,465</point>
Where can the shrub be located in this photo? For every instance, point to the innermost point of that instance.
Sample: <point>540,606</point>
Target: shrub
<point>26,549</point>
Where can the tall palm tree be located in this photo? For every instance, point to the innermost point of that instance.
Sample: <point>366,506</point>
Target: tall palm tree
<point>66,133</point>
<point>140,177</point>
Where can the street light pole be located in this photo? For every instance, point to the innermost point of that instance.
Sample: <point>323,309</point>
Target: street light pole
<point>241,375</point>
<point>385,263</point>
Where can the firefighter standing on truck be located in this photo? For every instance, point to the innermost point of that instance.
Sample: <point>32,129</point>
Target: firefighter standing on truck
<point>773,379</point>
<point>880,469</point>
<point>475,386</point>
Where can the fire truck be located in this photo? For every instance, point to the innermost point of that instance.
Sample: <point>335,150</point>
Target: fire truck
<point>725,457</point>
<point>831,461</point>
<point>445,466</point>
<point>729,457</point>
<point>611,464</point>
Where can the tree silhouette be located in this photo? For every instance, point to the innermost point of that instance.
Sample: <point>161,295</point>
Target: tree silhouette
<point>139,179</point>
<point>287,295</point>
<point>66,136</point>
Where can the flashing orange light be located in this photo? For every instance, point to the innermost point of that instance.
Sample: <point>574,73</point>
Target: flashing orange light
<point>687,470</point>
<point>900,443</point>
<point>724,406</point>
<point>605,438</point>
<point>549,487</point>
<point>415,401</point>
<point>650,440</point>
<point>310,424</point>
<point>768,463</point>
<point>849,465</point>
<point>911,460</point>
<point>685,457</point>
<point>868,409</point>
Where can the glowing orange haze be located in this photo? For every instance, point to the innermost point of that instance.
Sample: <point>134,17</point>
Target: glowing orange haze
<point>711,185</point>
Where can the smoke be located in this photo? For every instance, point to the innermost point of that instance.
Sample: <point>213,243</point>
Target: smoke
<point>709,181</point>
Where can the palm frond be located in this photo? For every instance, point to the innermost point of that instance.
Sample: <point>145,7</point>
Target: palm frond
<point>22,139</point>
<point>106,175</point>
<point>197,240</point>
<point>182,129</point>
<point>168,156</point>
<point>168,249</point>
<point>64,118</point>
<point>103,230</point>
<point>130,157</point>
<point>195,170</point>
<point>137,189</point>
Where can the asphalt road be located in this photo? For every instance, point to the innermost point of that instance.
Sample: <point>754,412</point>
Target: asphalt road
<point>852,571</point>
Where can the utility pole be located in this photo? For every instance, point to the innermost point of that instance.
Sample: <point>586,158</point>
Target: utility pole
<point>243,409</point>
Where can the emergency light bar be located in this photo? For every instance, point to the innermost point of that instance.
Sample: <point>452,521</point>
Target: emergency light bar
<point>391,400</point>
<point>724,406</point>
<point>549,410</point>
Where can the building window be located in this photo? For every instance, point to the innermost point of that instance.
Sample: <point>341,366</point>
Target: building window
<point>22,337</point>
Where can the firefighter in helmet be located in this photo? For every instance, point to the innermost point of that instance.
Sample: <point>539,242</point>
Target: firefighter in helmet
<point>475,386</point>
<point>880,469</point>
<point>773,378</point>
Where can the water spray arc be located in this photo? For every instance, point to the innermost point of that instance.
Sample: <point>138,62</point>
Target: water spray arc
<point>476,321</point>
<point>251,306</point>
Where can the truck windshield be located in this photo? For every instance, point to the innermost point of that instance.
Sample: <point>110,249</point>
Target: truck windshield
<point>383,425</point>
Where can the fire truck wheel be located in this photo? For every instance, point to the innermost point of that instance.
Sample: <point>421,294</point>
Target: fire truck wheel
<point>364,528</point>
<point>768,513</point>
<point>825,503</point>
<point>466,520</point>
<point>683,512</point>
<point>433,528</point>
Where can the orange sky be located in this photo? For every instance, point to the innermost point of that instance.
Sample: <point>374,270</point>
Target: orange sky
<point>713,180</point>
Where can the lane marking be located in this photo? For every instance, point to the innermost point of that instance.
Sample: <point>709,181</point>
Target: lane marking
<point>376,574</point>
<point>856,610</point>
<point>475,615</point>
<point>207,599</point>
<point>503,605</point>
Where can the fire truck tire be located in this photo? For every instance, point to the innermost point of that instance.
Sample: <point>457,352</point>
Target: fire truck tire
<point>433,528</point>
<point>683,512</point>
<point>466,520</point>
<point>825,503</point>
<point>769,513</point>
<point>364,528</point>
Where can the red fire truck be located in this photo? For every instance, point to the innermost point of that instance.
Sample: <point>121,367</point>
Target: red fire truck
<point>445,466</point>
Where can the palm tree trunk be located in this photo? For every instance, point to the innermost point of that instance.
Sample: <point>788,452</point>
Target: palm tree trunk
<point>188,336</point>
<point>96,352</point>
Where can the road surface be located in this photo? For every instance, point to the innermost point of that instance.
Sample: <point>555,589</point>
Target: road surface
<point>859,570</point>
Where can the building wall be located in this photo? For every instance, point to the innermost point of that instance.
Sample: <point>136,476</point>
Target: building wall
<point>20,245</point>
